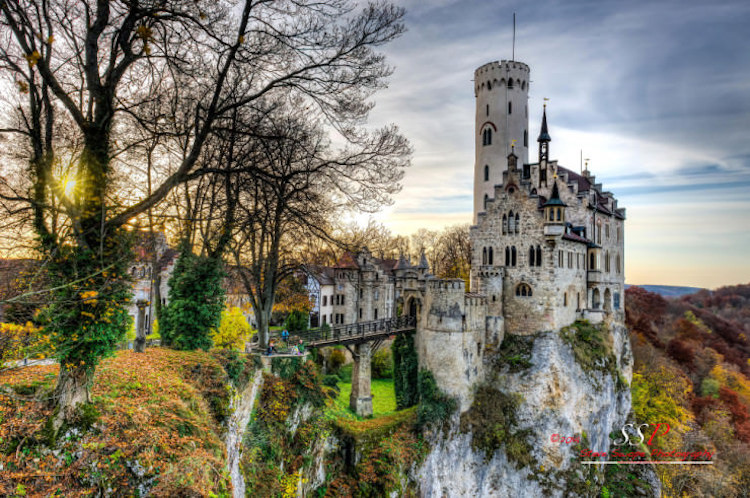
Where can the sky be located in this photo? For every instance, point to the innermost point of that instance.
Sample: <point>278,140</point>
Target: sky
<point>655,93</point>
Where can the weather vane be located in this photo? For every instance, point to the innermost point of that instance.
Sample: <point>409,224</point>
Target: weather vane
<point>545,102</point>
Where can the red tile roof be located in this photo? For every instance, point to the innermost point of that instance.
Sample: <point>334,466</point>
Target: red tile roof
<point>347,261</point>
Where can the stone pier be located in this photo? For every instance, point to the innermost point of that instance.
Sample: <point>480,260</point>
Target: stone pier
<point>360,400</point>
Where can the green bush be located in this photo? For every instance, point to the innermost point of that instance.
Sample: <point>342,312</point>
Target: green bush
<point>405,371</point>
<point>196,299</point>
<point>710,387</point>
<point>331,380</point>
<point>434,406</point>
<point>296,321</point>
<point>336,360</point>
<point>382,364</point>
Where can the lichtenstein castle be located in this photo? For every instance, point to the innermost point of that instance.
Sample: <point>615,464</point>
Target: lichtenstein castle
<point>548,242</point>
<point>547,249</point>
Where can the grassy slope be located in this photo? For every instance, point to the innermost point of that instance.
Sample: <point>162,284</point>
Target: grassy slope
<point>160,408</point>
<point>383,396</point>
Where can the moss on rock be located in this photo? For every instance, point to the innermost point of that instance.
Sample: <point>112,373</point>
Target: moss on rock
<point>492,422</point>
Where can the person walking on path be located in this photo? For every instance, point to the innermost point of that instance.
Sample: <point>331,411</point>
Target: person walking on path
<point>285,337</point>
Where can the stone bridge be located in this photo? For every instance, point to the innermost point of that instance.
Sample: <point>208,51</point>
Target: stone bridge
<point>361,339</point>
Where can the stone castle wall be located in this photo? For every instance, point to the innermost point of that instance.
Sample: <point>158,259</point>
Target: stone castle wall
<point>451,337</point>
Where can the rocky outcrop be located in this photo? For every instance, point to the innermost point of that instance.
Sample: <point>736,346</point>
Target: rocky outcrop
<point>560,396</point>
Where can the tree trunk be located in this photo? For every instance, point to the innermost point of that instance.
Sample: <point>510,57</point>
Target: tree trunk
<point>140,329</point>
<point>263,333</point>
<point>72,390</point>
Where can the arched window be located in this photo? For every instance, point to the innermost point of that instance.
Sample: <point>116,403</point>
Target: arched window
<point>489,257</point>
<point>488,110</point>
<point>523,290</point>
<point>487,136</point>
<point>538,256</point>
<point>532,256</point>
<point>523,85</point>
<point>617,264</point>
<point>486,172</point>
<point>484,256</point>
<point>505,224</point>
<point>606,261</point>
<point>578,301</point>
<point>518,224</point>
<point>513,256</point>
<point>489,86</point>
<point>486,198</point>
<point>510,82</point>
<point>510,108</point>
<point>507,256</point>
<point>559,214</point>
<point>511,223</point>
<point>591,261</point>
<point>565,299</point>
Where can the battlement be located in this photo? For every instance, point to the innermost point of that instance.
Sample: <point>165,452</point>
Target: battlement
<point>448,284</point>
<point>504,74</point>
<point>472,299</point>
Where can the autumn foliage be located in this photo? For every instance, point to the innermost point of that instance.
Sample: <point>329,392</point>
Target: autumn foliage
<point>692,368</point>
<point>156,422</point>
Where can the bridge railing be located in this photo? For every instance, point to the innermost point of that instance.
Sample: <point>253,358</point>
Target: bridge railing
<point>340,333</point>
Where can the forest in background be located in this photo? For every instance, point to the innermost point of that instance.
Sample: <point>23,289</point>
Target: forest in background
<point>692,370</point>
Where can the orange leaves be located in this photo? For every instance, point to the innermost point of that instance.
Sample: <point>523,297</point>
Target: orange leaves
<point>33,58</point>
<point>153,411</point>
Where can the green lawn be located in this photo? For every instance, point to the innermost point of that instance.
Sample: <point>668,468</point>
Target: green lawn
<point>383,396</point>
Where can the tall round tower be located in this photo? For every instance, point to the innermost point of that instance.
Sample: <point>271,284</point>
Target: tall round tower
<point>502,115</point>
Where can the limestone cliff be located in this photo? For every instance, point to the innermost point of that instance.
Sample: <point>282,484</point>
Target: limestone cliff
<point>570,383</point>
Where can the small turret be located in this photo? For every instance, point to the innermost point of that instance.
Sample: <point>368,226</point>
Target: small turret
<point>554,213</point>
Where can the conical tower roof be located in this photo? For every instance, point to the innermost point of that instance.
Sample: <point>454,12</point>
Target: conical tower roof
<point>544,134</point>
<point>554,199</point>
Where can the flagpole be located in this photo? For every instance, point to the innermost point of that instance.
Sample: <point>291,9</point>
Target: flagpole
<point>513,57</point>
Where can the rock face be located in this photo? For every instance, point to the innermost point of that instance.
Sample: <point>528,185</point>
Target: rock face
<point>559,397</point>
<point>241,407</point>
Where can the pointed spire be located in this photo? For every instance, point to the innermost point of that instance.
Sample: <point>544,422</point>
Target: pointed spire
<point>554,199</point>
<point>544,134</point>
<point>423,261</point>
<point>402,263</point>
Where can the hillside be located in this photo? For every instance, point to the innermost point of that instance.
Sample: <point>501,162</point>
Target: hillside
<point>668,290</point>
<point>692,370</point>
<point>157,428</point>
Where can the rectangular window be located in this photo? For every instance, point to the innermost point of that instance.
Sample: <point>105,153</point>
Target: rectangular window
<point>325,300</point>
<point>342,299</point>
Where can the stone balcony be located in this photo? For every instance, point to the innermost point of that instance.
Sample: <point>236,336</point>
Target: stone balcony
<point>595,277</point>
<point>553,230</point>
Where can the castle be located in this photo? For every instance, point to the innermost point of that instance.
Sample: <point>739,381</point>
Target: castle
<point>547,249</point>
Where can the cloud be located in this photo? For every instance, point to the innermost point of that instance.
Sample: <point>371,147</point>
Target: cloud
<point>657,94</point>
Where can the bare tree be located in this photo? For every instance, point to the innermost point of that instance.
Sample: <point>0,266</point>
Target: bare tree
<point>101,64</point>
<point>297,182</point>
